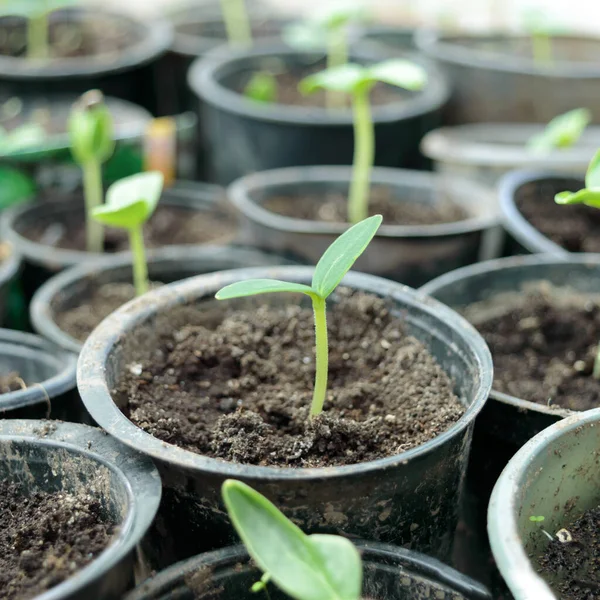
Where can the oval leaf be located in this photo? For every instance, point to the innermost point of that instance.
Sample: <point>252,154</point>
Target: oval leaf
<point>588,197</point>
<point>342,254</point>
<point>592,177</point>
<point>562,132</point>
<point>400,73</point>
<point>300,565</point>
<point>253,287</point>
<point>126,216</point>
<point>348,78</point>
<point>262,87</point>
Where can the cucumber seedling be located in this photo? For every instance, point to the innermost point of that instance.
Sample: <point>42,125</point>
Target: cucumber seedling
<point>130,202</point>
<point>305,567</point>
<point>358,81</point>
<point>262,87</point>
<point>330,270</point>
<point>237,22</point>
<point>561,132</point>
<point>92,143</point>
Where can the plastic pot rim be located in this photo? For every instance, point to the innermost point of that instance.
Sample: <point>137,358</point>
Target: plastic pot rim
<point>97,398</point>
<point>240,191</point>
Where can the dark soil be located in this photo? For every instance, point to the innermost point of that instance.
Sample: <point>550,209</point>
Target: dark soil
<point>45,538</point>
<point>543,342</point>
<point>575,227</point>
<point>333,208</point>
<point>12,382</point>
<point>575,565</point>
<point>238,387</point>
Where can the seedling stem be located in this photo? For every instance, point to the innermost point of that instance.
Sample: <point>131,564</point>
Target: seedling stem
<point>92,191</point>
<point>140,268</point>
<point>37,33</point>
<point>237,22</point>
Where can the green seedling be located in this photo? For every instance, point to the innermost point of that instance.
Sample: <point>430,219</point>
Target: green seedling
<point>537,519</point>
<point>237,22</point>
<point>262,87</point>
<point>590,196</point>
<point>358,81</point>
<point>305,567</point>
<point>92,144</point>
<point>331,268</point>
<point>130,202</point>
<point>537,24</point>
<point>563,131</point>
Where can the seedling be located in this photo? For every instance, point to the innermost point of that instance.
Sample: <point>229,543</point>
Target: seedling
<point>589,196</point>
<point>537,24</point>
<point>562,132</point>
<point>262,87</point>
<point>130,202</point>
<point>237,22</point>
<point>305,567</point>
<point>92,143</point>
<point>358,81</point>
<point>330,270</point>
<point>534,519</point>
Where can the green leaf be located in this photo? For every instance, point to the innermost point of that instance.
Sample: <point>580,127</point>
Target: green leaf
<point>401,73</point>
<point>348,78</point>
<point>317,567</point>
<point>588,197</point>
<point>592,177</point>
<point>253,287</point>
<point>534,519</point>
<point>562,132</point>
<point>262,87</point>
<point>342,254</point>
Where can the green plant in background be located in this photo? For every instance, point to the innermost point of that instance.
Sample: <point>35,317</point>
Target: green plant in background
<point>537,24</point>
<point>262,87</point>
<point>563,131</point>
<point>305,567</point>
<point>25,137</point>
<point>330,270</point>
<point>237,22</point>
<point>130,202</point>
<point>358,81</point>
<point>92,144</point>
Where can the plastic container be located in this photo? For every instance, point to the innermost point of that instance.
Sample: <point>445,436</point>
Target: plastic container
<point>409,499</point>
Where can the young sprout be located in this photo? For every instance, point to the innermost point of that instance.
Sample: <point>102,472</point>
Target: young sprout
<point>92,143</point>
<point>262,87</point>
<point>358,81</point>
<point>589,196</point>
<point>534,519</point>
<point>536,23</point>
<point>330,270</point>
<point>305,567</point>
<point>130,202</point>
<point>237,22</point>
<point>562,132</point>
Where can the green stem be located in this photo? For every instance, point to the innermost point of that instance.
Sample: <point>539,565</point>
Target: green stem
<point>597,365</point>
<point>37,35</point>
<point>337,56</point>
<point>542,49</point>
<point>364,156</point>
<point>93,192</point>
<point>322,357</point>
<point>140,267</point>
<point>237,22</point>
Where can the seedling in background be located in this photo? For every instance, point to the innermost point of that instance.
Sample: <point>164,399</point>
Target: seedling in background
<point>589,196</point>
<point>563,131</point>
<point>28,136</point>
<point>262,87</point>
<point>237,22</point>
<point>305,567</point>
<point>536,23</point>
<point>358,81</point>
<point>130,202</point>
<point>330,270</point>
<point>92,143</point>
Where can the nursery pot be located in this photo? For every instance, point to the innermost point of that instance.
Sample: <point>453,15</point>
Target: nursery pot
<point>42,261</point>
<point>390,573</point>
<point>378,499</point>
<point>495,78</point>
<point>47,371</point>
<point>487,151</point>
<point>10,264</point>
<point>245,136</point>
<point>411,254</point>
<point>125,69</point>
<point>555,475</point>
<point>165,265</point>
<point>54,457</point>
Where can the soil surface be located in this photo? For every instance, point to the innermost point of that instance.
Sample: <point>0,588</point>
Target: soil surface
<point>333,208</point>
<point>12,382</point>
<point>543,342</point>
<point>238,386</point>
<point>575,227</point>
<point>575,565</point>
<point>45,538</point>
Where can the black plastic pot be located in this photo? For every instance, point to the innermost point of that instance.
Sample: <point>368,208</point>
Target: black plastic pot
<point>9,268</point>
<point>390,573</point>
<point>128,74</point>
<point>495,78</point>
<point>64,456</point>
<point>40,262</point>
<point>245,136</point>
<point>410,499</point>
<point>49,373</point>
<point>409,254</point>
<point>524,237</point>
<point>166,265</point>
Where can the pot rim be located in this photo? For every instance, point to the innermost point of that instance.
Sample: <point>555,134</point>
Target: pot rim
<point>97,398</point>
<point>136,472</point>
<point>10,266</point>
<point>239,193</point>
<point>506,543</point>
<point>205,75</point>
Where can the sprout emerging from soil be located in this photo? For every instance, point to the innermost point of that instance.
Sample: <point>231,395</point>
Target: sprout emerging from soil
<point>330,270</point>
<point>358,81</point>
<point>237,22</point>
<point>305,567</point>
<point>262,87</point>
<point>130,202</point>
<point>563,131</point>
<point>92,143</point>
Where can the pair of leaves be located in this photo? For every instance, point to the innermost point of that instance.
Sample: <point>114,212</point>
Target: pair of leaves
<point>131,201</point>
<point>330,270</point>
<point>590,195</point>
<point>561,132</point>
<point>305,567</point>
